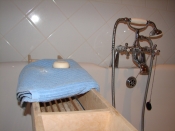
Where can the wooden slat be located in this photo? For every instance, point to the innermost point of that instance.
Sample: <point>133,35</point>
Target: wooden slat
<point>57,105</point>
<point>51,106</point>
<point>63,104</point>
<point>80,107</point>
<point>73,103</point>
<point>45,107</point>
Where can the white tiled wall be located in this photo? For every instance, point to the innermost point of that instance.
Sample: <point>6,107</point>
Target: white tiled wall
<point>80,29</point>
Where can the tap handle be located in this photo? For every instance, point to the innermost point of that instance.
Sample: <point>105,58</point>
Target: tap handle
<point>138,21</point>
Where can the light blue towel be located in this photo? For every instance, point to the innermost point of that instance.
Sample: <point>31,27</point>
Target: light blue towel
<point>40,82</point>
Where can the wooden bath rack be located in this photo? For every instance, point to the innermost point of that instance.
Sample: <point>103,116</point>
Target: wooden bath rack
<point>86,112</point>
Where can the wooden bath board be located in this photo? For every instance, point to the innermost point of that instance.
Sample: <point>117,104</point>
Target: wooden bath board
<point>86,112</point>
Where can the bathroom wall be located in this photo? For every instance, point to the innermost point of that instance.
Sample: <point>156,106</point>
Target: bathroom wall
<point>80,29</point>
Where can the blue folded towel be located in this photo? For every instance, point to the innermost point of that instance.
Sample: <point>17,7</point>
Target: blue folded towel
<point>40,82</point>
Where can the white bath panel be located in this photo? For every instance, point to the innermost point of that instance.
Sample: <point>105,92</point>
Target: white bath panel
<point>11,114</point>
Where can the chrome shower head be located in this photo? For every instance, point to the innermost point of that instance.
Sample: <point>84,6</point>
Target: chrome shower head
<point>155,33</point>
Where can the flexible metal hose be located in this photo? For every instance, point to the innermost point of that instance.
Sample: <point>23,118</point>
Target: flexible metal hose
<point>147,84</point>
<point>113,62</point>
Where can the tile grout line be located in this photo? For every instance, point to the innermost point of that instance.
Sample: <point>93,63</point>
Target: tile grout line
<point>42,43</point>
<point>86,40</point>
<point>12,47</point>
<point>167,5</point>
<point>115,22</point>
<point>24,17</point>
<point>92,33</point>
<point>105,23</point>
<point>59,9</point>
<point>173,52</point>
<point>103,61</point>
<point>76,49</point>
<point>169,57</point>
<point>99,29</point>
<point>45,37</point>
<point>82,45</point>
<point>169,28</point>
<point>94,51</point>
<point>132,4</point>
<point>97,10</point>
<point>80,35</point>
<point>72,13</point>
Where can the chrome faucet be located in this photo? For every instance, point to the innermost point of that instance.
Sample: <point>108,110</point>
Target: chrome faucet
<point>138,52</point>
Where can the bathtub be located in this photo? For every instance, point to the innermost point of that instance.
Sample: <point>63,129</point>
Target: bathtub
<point>128,100</point>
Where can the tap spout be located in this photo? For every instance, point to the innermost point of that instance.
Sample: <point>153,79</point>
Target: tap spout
<point>139,60</point>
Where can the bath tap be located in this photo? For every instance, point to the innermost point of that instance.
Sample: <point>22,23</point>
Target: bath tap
<point>138,53</point>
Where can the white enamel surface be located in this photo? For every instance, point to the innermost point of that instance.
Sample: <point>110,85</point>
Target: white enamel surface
<point>129,101</point>
<point>67,24</point>
<point>11,114</point>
